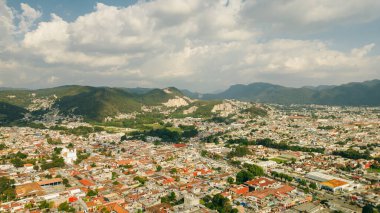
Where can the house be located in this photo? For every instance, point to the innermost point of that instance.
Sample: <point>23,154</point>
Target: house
<point>261,183</point>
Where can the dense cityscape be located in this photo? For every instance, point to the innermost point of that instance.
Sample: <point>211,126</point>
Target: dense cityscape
<point>247,158</point>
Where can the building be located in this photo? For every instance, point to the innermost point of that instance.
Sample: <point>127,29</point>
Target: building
<point>328,182</point>
<point>261,183</point>
<point>29,190</point>
<point>69,155</point>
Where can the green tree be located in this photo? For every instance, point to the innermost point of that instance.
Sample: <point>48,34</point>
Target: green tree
<point>313,185</point>
<point>368,209</point>
<point>17,162</point>
<point>65,207</point>
<point>243,176</point>
<point>7,189</point>
<point>92,193</point>
<point>230,180</point>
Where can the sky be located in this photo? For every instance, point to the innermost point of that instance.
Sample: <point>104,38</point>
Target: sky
<point>200,45</point>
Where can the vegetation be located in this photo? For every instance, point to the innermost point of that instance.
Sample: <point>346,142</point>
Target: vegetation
<point>56,161</point>
<point>353,154</point>
<point>141,180</point>
<point>281,176</point>
<point>10,113</point>
<point>81,155</point>
<point>171,199</point>
<point>352,94</point>
<point>256,111</point>
<point>211,155</point>
<point>239,151</point>
<point>7,189</point>
<point>65,207</point>
<point>249,172</point>
<point>92,193</point>
<point>3,146</point>
<point>284,146</point>
<point>166,134</point>
<point>218,203</point>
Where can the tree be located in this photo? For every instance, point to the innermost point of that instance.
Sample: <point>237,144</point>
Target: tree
<point>66,182</point>
<point>65,207</point>
<point>92,193</point>
<point>243,176</point>
<point>254,169</point>
<point>158,168</point>
<point>17,162</point>
<point>230,180</point>
<point>219,203</point>
<point>313,185</point>
<point>7,189</point>
<point>368,209</point>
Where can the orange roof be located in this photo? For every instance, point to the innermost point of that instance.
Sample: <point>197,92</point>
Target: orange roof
<point>86,182</point>
<point>117,208</point>
<point>334,183</point>
<point>28,165</point>
<point>262,182</point>
<point>124,162</point>
<point>266,192</point>
<point>179,145</point>
<point>241,189</point>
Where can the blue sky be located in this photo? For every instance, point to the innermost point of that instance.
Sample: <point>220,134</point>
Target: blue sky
<point>194,44</point>
<point>67,9</point>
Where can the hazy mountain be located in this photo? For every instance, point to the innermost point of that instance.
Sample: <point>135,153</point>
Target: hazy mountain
<point>94,103</point>
<point>190,94</point>
<point>352,94</point>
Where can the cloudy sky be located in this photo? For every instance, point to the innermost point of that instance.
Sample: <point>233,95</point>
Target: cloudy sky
<point>194,44</point>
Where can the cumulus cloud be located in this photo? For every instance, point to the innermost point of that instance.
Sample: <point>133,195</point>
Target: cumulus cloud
<point>27,18</point>
<point>6,25</point>
<point>196,44</point>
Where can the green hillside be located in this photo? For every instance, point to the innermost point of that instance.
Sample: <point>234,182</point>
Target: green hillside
<point>98,103</point>
<point>9,112</point>
<point>352,94</point>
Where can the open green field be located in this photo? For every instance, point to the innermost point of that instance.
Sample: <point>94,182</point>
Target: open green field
<point>373,170</point>
<point>279,160</point>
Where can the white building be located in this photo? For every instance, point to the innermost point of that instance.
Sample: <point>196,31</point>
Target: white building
<point>69,155</point>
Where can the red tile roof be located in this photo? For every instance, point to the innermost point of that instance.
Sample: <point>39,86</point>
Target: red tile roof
<point>261,182</point>
<point>86,182</point>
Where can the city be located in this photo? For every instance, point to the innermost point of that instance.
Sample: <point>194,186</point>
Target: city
<point>298,158</point>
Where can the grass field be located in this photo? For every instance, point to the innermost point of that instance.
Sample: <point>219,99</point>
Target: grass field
<point>373,170</point>
<point>279,160</point>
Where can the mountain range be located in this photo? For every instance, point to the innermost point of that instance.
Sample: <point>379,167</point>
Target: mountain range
<point>352,94</point>
<point>96,103</point>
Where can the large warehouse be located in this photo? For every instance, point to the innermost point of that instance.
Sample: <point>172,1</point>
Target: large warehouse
<point>328,182</point>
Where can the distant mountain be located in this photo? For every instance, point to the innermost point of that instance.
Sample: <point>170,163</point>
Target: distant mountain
<point>352,94</point>
<point>190,94</point>
<point>93,103</point>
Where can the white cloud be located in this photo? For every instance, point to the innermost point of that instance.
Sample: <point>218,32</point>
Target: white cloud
<point>203,45</point>
<point>27,18</point>
<point>6,25</point>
